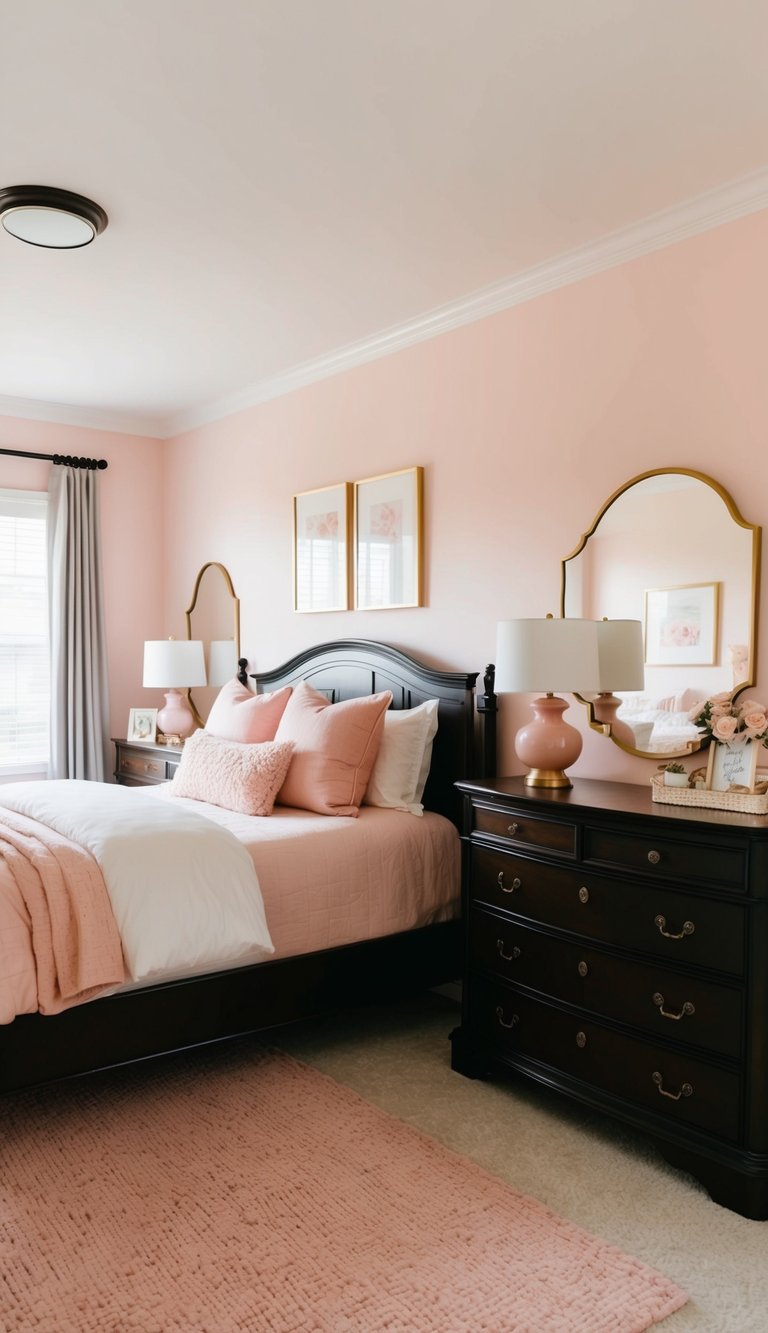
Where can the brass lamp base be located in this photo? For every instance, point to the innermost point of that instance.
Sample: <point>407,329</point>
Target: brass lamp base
<point>547,777</point>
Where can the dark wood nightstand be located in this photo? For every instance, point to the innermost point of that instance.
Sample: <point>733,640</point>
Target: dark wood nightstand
<point>617,950</point>
<point>143,763</point>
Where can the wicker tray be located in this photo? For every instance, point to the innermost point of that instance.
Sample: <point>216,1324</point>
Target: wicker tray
<point>745,803</point>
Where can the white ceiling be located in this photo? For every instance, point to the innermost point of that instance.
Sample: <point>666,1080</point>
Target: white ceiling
<point>296,184</point>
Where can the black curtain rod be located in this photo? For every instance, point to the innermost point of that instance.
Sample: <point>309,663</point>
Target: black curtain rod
<point>66,459</point>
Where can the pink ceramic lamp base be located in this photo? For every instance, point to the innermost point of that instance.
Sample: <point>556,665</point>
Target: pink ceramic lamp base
<point>604,709</point>
<point>548,744</point>
<point>176,718</point>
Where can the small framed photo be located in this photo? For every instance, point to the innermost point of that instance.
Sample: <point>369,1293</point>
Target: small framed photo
<point>731,766</point>
<point>142,724</point>
<point>681,625</point>
<point>321,521</point>
<point>388,540</point>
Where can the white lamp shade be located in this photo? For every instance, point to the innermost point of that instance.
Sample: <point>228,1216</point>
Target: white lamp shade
<point>222,661</point>
<point>174,663</point>
<point>547,656</point>
<point>620,646</point>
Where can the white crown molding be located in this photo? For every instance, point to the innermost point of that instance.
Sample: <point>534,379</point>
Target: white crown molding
<point>728,202</point>
<point>88,418</point>
<point>725,204</point>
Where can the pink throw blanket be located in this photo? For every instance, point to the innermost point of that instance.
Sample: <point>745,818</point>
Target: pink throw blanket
<point>74,936</point>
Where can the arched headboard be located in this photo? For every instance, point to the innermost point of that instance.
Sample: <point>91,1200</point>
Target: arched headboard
<point>350,668</point>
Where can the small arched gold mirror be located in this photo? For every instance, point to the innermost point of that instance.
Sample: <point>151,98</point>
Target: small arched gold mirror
<point>671,550</point>
<point>213,615</point>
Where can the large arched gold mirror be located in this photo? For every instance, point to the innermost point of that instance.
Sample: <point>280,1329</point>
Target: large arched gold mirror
<point>213,615</point>
<point>670,549</point>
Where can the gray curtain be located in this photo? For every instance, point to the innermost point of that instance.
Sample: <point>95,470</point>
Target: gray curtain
<point>79,693</point>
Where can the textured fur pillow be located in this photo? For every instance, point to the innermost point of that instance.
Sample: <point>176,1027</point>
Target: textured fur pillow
<point>232,774</point>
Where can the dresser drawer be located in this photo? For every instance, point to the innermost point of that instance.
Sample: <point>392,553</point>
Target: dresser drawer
<point>665,858</point>
<point>676,927</point>
<point>525,830</point>
<point>137,767</point>
<point>646,995</point>
<point>674,1085</point>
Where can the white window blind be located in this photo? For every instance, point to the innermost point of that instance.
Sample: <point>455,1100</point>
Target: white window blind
<point>24,663</point>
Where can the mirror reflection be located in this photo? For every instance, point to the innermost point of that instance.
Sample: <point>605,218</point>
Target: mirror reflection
<point>213,615</point>
<point>671,550</point>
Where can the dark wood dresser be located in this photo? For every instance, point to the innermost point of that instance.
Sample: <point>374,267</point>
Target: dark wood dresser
<point>617,951</point>
<point>142,763</point>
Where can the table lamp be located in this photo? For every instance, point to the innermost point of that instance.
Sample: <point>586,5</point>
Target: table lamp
<point>173,665</point>
<point>547,655</point>
<point>621,667</point>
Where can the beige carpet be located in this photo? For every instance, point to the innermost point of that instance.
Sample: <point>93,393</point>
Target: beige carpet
<point>582,1166</point>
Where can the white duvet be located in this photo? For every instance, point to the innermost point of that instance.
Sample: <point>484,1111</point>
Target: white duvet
<point>183,890</point>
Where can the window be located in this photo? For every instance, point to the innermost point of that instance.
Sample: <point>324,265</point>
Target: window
<point>24,663</point>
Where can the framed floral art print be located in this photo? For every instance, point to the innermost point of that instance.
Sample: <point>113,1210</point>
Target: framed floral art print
<point>388,540</point>
<point>321,521</point>
<point>681,625</point>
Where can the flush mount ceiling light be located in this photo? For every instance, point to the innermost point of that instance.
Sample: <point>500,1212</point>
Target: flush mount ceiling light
<point>55,219</point>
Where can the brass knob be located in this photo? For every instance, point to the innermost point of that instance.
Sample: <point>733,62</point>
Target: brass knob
<point>512,830</point>
<point>654,858</point>
<point>581,1040</point>
<point>583,894</point>
<point>583,969</point>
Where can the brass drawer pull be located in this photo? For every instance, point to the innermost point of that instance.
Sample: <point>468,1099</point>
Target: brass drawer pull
<point>686,1010</point>
<point>686,1089</point>
<point>583,894</point>
<point>661,924</point>
<point>512,830</point>
<point>502,1020</point>
<point>507,888</point>
<point>654,858</point>
<point>508,957</point>
<point>583,969</point>
<point>581,1040</point>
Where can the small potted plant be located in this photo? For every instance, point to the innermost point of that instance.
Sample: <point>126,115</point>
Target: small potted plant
<point>675,776</point>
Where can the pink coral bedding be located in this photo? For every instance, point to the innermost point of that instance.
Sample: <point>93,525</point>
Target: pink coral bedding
<point>324,881</point>
<point>59,943</point>
<point>328,881</point>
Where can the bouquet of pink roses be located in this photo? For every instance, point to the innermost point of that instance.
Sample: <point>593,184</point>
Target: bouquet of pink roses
<point>724,720</point>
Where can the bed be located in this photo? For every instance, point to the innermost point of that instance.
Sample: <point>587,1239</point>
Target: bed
<point>139,1023</point>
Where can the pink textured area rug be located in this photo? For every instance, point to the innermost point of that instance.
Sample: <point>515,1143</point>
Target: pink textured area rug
<point>245,1191</point>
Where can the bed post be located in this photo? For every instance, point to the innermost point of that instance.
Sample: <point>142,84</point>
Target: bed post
<point>487,708</point>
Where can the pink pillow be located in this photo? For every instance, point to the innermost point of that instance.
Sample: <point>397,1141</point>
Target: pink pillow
<point>335,746</point>
<point>239,715</point>
<point>231,774</point>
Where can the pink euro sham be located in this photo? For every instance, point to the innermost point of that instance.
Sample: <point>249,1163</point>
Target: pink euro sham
<point>232,774</point>
<point>334,749</point>
<point>239,715</point>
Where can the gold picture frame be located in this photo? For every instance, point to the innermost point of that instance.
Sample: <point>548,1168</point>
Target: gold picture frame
<point>389,540</point>
<point>732,766</point>
<point>321,527</point>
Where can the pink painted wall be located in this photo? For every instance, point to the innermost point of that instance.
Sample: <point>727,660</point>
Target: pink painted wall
<point>524,423</point>
<point>132,514</point>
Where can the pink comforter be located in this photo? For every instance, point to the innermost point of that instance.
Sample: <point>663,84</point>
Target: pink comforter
<point>59,944</point>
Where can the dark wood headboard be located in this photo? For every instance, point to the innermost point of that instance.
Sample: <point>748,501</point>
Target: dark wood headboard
<point>350,668</point>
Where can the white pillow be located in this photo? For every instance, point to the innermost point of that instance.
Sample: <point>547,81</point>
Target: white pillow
<point>402,765</point>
